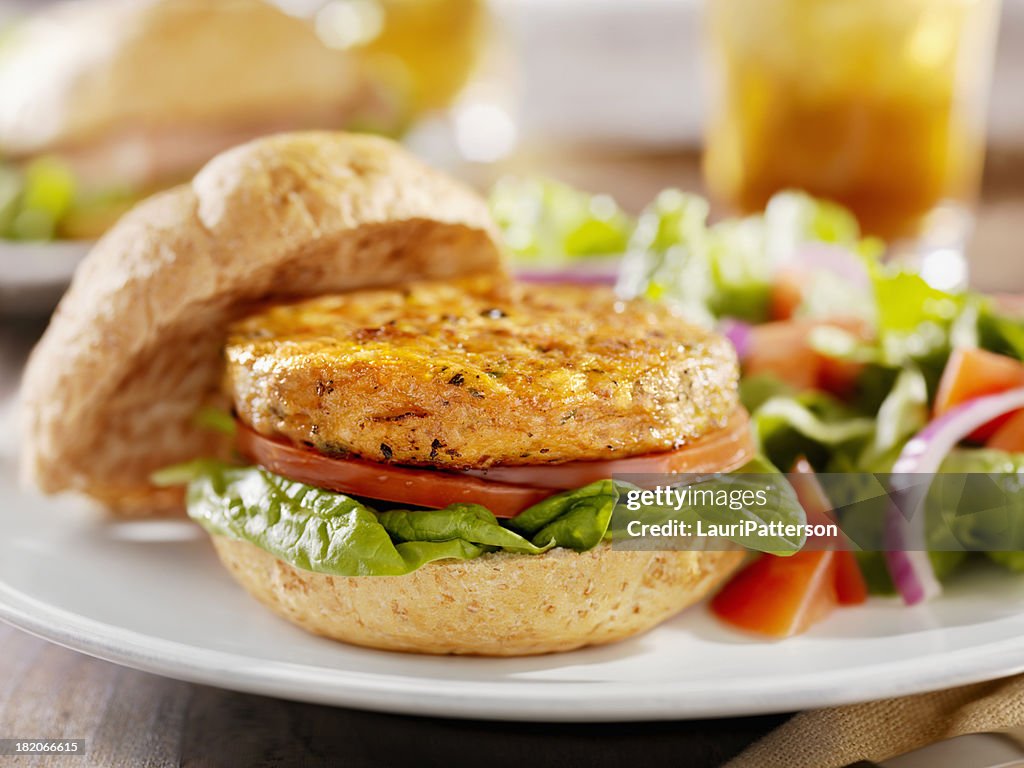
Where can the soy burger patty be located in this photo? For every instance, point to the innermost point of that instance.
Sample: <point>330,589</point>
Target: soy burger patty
<point>475,373</point>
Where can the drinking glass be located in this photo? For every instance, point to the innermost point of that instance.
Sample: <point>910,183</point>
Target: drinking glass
<point>875,104</point>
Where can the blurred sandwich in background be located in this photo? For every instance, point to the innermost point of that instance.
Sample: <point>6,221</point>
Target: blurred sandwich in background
<point>103,102</point>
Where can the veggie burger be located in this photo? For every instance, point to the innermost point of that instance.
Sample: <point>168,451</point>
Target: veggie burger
<point>314,346</point>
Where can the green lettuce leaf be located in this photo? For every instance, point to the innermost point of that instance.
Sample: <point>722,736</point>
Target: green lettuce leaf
<point>312,529</point>
<point>914,322</point>
<point>33,200</point>
<point>575,519</point>
<point>793,218</point>
<point>215,420</point>
<point>975,508</point>
<point>757,390</point>
<point>904,301</point>
<point>706,271</point>
<point>669,255</point>
<point>876,572</point>
<point>1000,333</point>
<point>811,424</point>
<point>902,414</point>
<point>758,474</point>
<point>979,500</point>
<point>326,532</point>
<point>470,522</point>
<point>727,269</point>
<point>332,533</point>
<point>544,221</point>
<point>10,193</point>
<point>835,436</point>
<point>1014,561</point>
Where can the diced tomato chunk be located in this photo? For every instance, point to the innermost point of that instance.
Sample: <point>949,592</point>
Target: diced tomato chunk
<point>839,376</point>
<point>787,295</point>
<point>782,349</point>
<point>784,596</point>
<point>780,596</point>
<point>1009,436</point>
<point>809,493</point>
<point>851,589</point>
<point>971,373</point>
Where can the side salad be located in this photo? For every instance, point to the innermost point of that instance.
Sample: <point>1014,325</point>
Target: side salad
<point>42,201</point>
<point>851,366</point>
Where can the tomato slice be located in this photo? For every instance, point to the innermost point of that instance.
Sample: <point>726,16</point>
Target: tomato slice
<point>724,450</point>
<point>780,596</point>
<point>506,491</point>
<point>403,485</point>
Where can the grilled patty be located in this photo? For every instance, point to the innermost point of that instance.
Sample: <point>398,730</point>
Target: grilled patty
<point>473,373</point>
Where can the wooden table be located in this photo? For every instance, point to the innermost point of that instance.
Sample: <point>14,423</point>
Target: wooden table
<point>131,718</point>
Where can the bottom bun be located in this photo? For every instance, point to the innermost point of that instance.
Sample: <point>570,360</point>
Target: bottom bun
<point>496,605</point>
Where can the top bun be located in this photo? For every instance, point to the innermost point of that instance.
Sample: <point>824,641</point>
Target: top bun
<point>134,350</point>
<point>78,71</point>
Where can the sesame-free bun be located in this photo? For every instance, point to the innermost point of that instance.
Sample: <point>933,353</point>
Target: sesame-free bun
<point>80,71</point>
<point>135,348</point>
<point>498,604</point>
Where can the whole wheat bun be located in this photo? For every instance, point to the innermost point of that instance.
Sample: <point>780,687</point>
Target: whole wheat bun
<point>135,347</point>
<point>496,605</point>
<point>78,71</point>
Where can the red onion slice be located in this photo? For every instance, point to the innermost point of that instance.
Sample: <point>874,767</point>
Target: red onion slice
<point>737,332</point>
<point>911,571</point>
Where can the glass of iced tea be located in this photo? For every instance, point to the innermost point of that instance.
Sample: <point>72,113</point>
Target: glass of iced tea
<point>426,50</point>
<point>438,41</point>
<point>876,104</point>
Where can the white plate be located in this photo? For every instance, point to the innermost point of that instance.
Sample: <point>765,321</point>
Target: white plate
<point>34,275</point>
<point>152,596</point>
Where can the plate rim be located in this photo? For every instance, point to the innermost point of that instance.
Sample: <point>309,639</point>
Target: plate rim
<point>40,264</point>
<point>523,701</point>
